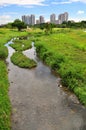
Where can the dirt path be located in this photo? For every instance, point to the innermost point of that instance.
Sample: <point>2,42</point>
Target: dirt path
<point>38,103</point>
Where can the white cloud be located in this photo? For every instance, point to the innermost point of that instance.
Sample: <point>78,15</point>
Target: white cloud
<point>21,2</point>
<point>5,19</point>
<point>68,1</point>
<point>80,12</point>
<point>83,1</point>
<point>61,3</point>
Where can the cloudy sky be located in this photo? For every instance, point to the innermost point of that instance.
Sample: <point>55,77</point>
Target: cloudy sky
<point>12,9</point>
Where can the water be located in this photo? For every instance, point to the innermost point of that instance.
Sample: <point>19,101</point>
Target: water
<point>38,103</point>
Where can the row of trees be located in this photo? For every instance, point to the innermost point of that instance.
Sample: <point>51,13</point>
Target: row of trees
<point>17,24</point>
<point>47,26</point>
<point>71,24</point>
<point>68,24</point>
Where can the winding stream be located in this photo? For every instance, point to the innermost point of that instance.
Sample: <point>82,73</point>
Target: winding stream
<point>38,103</point>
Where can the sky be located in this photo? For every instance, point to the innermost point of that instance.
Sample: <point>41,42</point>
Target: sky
<point>14,9</point>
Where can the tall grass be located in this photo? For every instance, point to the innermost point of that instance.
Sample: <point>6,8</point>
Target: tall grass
<point>21,45</point>
<point>5,105</point>
<point>19,59</point>
<point>65,53</point>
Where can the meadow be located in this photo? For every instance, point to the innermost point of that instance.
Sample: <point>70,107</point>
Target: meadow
<point>5,105</point>
<point>65,52</point>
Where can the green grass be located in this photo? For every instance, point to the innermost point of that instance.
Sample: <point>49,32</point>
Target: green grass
<point>19,59</point>
<point>3,52</point>
<point>65,52</point>
<point>5,105</point>
<point>21,45</point>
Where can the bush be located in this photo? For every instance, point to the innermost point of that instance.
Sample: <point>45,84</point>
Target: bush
<point>3,52</point>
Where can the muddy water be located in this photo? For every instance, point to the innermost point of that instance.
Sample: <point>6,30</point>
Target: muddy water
<point>38,103</point>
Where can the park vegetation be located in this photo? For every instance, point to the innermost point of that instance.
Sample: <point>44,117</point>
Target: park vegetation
<point>65,52</point>
<point>21,44</point>
<point>18,58</point>
<point>63,48</point>
<point>5,105</point>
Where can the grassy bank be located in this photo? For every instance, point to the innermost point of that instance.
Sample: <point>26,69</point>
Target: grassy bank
<point>19,59</point>
<point>65,52</point>
<point>21,45</point>
<point>5,106</point>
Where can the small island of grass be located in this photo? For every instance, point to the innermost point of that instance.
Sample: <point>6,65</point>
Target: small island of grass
<point>19,59</point>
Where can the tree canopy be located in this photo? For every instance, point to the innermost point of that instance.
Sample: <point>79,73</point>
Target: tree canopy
<point>19,24</point>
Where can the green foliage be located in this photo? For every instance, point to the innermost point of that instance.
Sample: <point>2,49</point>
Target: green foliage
<point>65,53</point>
<point>3,52</point>
<point>21,45</point>
<point>22,61</point>
<point>19,24</point>
<point>5,106</point>
<point>72,24</point>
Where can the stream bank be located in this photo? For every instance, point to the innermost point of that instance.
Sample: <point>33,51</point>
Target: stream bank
<point>37,101</point>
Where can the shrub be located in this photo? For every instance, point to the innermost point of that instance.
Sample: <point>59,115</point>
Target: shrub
<point>3,52</point>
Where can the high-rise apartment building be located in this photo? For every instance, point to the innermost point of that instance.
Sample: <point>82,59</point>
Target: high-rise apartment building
<point>63,17</point>
<point>66,16</point>
<point>30,20</point>
<point>24,19</point>
<point>52,18</point>
<point>41,19</point>
<point>37,21</point>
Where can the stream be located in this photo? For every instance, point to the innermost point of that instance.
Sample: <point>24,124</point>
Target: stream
<point>38,103</point>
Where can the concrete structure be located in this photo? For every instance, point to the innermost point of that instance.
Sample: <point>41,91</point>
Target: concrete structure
<point>41,19</point>
<point>32,19</point>
<point>37,21</point>
<point>63,17</point>
<point>52,18</point>
<point>29,20</point>
<point>24,19</point>
<point>58,22</point>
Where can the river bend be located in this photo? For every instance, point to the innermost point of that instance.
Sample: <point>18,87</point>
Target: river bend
<point>38,103</point>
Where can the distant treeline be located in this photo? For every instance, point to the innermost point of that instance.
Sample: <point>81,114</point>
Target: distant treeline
<point>69,24</point>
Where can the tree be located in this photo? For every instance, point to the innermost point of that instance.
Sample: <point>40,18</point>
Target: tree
<point>19,24</point>
<point>49,27</point>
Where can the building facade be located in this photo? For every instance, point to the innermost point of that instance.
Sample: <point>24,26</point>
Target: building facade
<point>32,19</point>
<point>52,18</point>
<point>41,19</point>
<point>29,20</point>
<point>24,19</point>
<point>63,17</point>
